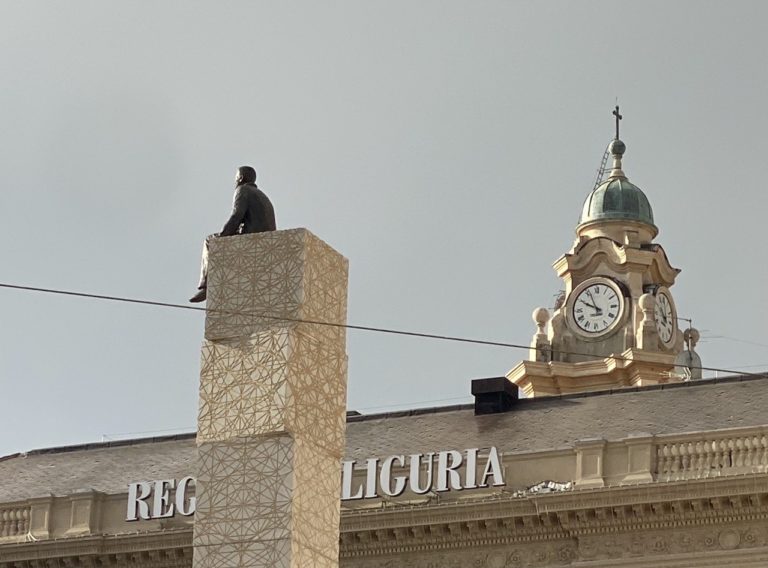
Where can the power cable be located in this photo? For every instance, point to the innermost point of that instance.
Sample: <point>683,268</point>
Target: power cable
<point>736,339</point>
<point>390,331</point>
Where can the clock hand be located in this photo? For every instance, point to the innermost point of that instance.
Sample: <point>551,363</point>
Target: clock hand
<point>598,311</point>
<point>593,306</point>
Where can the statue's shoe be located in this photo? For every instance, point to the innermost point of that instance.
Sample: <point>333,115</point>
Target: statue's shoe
<point>200,296</point>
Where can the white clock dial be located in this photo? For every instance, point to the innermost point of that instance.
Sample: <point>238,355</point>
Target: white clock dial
<point>665,317</point>
<point>596,308</point>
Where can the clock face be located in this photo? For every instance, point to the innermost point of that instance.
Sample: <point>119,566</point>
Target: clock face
<point>597,307</point>
<point>665,317</point>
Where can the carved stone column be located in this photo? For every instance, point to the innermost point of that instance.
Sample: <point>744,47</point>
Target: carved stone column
<point>271,422</point>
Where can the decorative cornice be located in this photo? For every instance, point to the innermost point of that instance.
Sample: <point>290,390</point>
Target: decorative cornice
<point>509,521</point>
<point>588,255</point>
<point>632,367</point>
<point>159,549</point>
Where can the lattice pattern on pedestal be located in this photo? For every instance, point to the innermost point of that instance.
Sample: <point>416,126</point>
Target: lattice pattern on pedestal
<point>316,503</point>
<point>325,291</point>
<point>278,380</point>
<point>245,490</point>
<point>271,421</point>
<point>304,557</point>
<point>316,398</point>
<point>252,554</point>
<point>284,274</point>
<point>274,500</point>
<point>243,386</point>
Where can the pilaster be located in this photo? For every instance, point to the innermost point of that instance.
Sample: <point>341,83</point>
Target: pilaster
<point>641,459</point>
<point>40,517</point>
<point>590,457</point>
<point>84,513</point>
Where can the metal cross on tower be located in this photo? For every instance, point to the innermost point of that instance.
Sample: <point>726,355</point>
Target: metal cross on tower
<point>618,118</point>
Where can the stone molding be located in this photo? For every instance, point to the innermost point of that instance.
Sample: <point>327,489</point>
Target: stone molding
<point>587,257</point>
<point>159,549</point>
<point>685,549</point>
<point>633,367</point>
<point>576,516</point>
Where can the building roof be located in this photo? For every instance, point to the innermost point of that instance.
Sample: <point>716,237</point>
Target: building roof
<point>617,199</point>
<point>532,425</point>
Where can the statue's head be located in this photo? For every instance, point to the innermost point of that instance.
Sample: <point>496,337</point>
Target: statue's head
<point>245,174</point>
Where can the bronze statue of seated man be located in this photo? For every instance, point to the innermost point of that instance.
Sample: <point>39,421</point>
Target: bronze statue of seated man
<point>252,212</point>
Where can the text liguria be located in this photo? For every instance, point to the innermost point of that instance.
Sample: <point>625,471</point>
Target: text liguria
<point>422,473</point>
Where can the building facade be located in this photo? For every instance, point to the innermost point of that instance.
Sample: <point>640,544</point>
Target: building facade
<point>616,456</point>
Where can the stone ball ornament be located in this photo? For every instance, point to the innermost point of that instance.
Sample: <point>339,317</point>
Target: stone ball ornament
<point>540,316</point>
<point>617,148</point>
<point>691,336</point>
<point>646,302</point>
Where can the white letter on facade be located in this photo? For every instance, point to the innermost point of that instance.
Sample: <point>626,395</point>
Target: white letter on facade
<point>493,469</point>
<point>162,499</point>
<point>386,477</point>
<point>370,480</point>
<point>136,501</point>
<point>415,461</point>
<point>181,498</point>
<point>346,482</point>
<point>444,470</point>
<point>471,468</point>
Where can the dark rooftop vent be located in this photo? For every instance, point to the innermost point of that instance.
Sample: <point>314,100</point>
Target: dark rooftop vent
<point>497,394</point>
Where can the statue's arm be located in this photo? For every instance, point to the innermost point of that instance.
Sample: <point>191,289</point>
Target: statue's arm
<point>239,208</point>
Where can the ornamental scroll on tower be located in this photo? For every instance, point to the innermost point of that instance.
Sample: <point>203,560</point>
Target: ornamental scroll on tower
<point>616,322</point>
<point>271,423</point>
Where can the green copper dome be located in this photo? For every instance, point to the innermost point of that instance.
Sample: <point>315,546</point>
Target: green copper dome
<point>617,199</point>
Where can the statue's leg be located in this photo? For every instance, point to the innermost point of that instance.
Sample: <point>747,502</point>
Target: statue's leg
<point>204,264</point>
<point>202,286</point>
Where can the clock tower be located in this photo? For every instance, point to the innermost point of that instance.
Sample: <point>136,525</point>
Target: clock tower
<point>615,324</point>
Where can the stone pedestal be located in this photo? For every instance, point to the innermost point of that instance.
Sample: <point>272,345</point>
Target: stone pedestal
<point>272,421</point>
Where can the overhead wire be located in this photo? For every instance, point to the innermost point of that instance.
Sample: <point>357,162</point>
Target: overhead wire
<point>735,339</point>
<point>374,329</point>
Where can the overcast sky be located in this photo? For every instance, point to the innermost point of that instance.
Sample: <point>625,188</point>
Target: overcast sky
<point>444,147</point>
